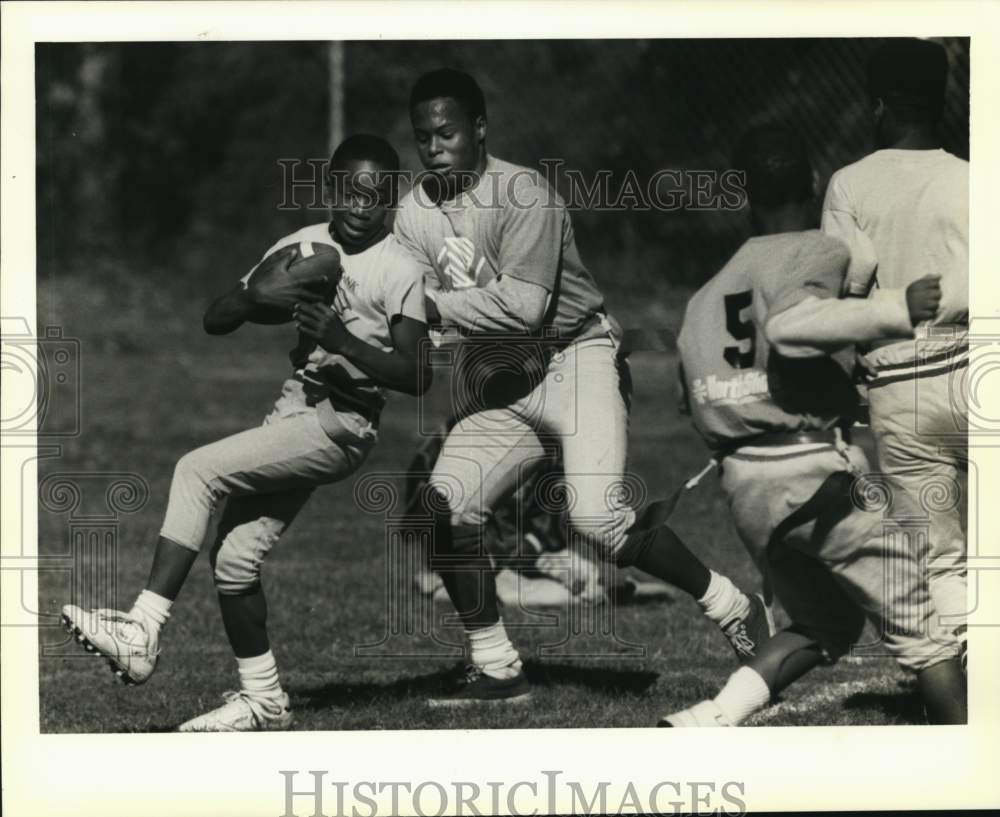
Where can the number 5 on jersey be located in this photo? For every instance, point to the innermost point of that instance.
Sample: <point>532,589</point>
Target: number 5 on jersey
<point>741,329</point>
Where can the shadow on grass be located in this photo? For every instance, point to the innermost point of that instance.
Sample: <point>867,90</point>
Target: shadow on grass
<point>902,705</point>
<point>336,694</point>
<point>602,679</point>
<point>159,727</point>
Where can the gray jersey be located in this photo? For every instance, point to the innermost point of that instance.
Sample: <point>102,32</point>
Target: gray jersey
<point>737,388</point>
<point>511,223</point>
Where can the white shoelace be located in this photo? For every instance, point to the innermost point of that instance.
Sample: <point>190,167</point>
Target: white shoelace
<point>258,707</point>
<point>740,640</point>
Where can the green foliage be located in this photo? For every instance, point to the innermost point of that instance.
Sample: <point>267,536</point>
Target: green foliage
<point>162,157</point>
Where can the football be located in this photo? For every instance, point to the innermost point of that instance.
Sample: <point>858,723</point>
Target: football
<point>308,258</point>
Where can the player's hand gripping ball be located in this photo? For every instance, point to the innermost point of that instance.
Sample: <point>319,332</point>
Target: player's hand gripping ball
<point>306,273</point>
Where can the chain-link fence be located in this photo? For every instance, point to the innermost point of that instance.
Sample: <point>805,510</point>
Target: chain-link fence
<point>160,161</point>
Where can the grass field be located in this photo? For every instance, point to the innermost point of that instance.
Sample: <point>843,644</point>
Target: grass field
<point>326,581</point>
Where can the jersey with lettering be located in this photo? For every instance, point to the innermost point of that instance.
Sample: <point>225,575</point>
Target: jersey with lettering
<point>378,284</point>
<point>904,214</point>
<point>737,386</point>
<point>511,222</point>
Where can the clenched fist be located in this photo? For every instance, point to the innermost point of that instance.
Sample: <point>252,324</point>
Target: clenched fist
<point>923,297</point>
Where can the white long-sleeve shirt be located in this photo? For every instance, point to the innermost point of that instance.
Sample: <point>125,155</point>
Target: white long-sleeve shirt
<point>904,214</point>
<point>819,326</point>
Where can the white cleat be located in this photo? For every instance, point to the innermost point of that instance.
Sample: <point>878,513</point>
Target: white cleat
<point>121,639</point>
<point>243,713</point>
<point>706,713</point>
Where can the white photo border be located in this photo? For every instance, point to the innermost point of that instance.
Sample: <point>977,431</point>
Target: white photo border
<point>827,768</point>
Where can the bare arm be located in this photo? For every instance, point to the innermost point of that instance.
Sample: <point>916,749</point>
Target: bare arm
<point>228,312</point>
<point>266,295</point>
<point>398,369</point>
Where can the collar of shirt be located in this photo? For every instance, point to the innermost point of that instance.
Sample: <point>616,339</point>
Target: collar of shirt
<point>906,153</point>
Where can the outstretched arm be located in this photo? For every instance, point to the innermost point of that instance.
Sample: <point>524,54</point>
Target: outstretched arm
<point>822,325</point>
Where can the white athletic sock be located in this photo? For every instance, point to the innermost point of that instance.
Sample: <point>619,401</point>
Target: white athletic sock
<point>153,609</point>
<point>492,652</point>
<point>744,693</point>
<point>259,675</point>
<point>723,601</point>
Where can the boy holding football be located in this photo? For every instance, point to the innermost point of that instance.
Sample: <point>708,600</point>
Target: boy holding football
<point>539,362</point>
<point>904,213</point>
<point>766,353</point>
<point>320,430</point>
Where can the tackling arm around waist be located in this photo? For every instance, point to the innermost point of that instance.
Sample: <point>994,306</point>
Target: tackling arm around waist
<point>505,304</point>
<point>817,326</point>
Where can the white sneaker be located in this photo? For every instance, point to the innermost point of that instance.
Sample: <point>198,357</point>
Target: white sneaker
<point>130,649</point>
<point>706,713</point>
<point>243,713</point>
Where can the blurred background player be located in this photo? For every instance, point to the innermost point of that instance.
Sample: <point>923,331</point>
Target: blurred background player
<point>904,213</point>
<point>539,365</point>
<point>766,361</point>
<point>534,566</point>
<point>320,431</point>
<point>528,543</point>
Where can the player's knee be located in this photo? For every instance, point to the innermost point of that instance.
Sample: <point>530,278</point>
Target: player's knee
<point>834,649</point>
<point>607,534</point>
<point>236,562</point>
<point>632,548</point>
<point>836,638</point>
<point>193,469</point>
<point>447,500</point>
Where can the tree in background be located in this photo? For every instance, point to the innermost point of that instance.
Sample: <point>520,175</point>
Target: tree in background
<point>158,161</point>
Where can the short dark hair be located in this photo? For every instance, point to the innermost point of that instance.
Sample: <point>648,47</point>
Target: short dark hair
<point>776,164</point>
<point>909,75</point>
<point>447,82</point>
<point>365,146</point>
